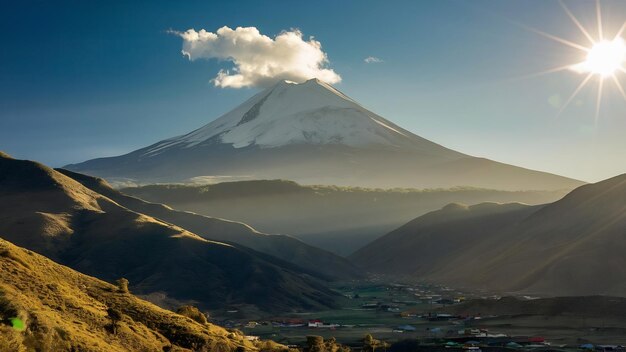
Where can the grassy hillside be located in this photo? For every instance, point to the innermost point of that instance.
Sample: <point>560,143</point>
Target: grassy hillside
<point>48,212</point>
<point>570,247</point>
<point>339,219</point>
<point>284,247</point>
<point>63,310</point>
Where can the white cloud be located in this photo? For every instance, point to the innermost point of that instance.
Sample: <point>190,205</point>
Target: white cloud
<point>372,60</point>
<point>258,59</point>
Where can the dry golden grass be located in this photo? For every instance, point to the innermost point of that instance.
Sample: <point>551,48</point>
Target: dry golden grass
<point>64,310</point>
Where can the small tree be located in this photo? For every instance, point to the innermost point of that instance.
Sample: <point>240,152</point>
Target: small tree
<point>193,313</point>
<point>331,345</point>
<point>370,344</point>
<point>385,345</point>
<point>115,316</point>
<point>122,285</point>
<point>315,343</point>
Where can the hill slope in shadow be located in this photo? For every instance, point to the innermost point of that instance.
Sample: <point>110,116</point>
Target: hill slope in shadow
<point>573,246</point>
<point>283,247</point>
<point>337,219</point>
<point>50,213</point>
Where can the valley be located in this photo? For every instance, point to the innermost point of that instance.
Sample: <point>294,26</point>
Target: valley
<point>436,315</point>
<point>337,219</point>
<point>299,290</point>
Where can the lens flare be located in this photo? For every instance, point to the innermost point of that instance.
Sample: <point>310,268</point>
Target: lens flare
<point>17,324</point>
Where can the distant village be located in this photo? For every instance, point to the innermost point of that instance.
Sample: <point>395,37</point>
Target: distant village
<point>419,318</point>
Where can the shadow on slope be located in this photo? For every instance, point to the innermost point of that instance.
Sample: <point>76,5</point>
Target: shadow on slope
<point>338,219</point>
<point>50,213</point>
<point>571,247</point>
<point>284,247</point>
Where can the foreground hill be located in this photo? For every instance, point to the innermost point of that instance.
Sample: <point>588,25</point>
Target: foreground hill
<point>283,247</point>
<point>63,310</point>
<point>570,247</point>
<point>313,134</point>
<point>50,213</point>
<point>339,219</point>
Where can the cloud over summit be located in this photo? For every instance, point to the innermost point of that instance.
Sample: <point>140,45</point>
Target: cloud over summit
<point>259,60</point>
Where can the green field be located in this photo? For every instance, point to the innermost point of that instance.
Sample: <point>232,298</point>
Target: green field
<point>357,321</point>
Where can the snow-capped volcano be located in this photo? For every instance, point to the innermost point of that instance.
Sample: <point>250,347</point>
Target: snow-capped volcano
<point>309,113</point>
<point>312,133</point>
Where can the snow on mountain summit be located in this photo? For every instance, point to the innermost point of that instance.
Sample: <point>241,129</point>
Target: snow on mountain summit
<point>313,134</point>
<point>312,112</point>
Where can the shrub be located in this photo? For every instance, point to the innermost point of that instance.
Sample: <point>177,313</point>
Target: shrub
<point>369,343</point>
<point>193,313</point>
<point>122,285</point>
<point>315,343</point>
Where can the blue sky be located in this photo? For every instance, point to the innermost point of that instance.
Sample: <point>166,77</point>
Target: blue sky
<point>85,79</point>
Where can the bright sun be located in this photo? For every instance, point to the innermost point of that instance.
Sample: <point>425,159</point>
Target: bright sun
<point>605,58</point>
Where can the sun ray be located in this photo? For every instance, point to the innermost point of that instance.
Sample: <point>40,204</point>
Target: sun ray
<point>599,99</point>
<point>553,37</point>
<point>619,86</point>
<point>599,19</point>
<point>560,40</point>
<point>578,89</point>
<point>544,72</point>
<point>576,22</point>
<point>621,30</point>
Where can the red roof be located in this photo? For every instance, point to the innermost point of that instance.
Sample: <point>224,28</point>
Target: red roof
<point>536,339</point>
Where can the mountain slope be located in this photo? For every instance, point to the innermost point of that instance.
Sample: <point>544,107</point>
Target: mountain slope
<point>48,212</point>
<point>570,247</point>
<point>64,310</point>
<point>429,245</point>
<point>313,134</point>
<point>567,243</point>
<point>283,247</point>
<point>338,219</point>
